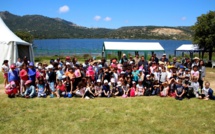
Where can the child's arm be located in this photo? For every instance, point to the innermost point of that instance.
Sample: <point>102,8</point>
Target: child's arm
<point>176,93</point>
<point>182,93</point>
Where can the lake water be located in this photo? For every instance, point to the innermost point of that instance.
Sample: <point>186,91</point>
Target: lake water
<point>53,47</point>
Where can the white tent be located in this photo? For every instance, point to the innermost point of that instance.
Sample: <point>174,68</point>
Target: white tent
<point>131,46</point>
<point>189,48</point>
<point>12,47</point>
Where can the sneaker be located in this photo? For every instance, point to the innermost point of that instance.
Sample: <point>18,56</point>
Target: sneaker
<point>87,98</point>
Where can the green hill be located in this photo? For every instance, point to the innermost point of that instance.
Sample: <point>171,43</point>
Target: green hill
<point>42,27</point>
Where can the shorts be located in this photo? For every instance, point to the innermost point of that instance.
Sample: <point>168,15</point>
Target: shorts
<point>5,75</point>
<point>52,86</point>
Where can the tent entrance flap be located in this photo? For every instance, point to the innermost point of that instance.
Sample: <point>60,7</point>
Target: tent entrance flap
<point>23,51</point>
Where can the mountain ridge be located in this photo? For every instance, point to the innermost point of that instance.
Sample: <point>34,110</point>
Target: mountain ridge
<point>43,27</point>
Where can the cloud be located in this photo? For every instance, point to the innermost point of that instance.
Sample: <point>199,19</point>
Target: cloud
<point>63,9</point>
<point>97,18</point>
<point>183,18</point>
<point>107,19</point>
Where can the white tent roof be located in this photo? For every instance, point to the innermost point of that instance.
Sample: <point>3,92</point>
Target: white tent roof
<point>188,47</point>
<point>133,46</point>
<point>6,35</point>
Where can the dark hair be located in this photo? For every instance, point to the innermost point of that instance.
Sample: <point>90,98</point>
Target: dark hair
<point>202,61</point>
<point>5,61</point>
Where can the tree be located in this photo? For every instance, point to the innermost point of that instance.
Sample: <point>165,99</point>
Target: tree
<point>25,36</point>
<point>204,32</point>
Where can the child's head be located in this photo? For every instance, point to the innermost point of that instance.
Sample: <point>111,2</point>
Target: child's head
<point>195,79</point>
<point>12,67</point>
<point>5,62</point>
<point>195,67</point>
<point>59,82</point>
<point>179,81</point>
<point>207,84</point>
<point>148,77</point>
<point>133,84</point>
<point>40,81</point>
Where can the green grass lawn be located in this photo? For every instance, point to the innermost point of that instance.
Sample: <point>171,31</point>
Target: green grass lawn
<point>102,115</point>
<point>1,78</point>
<point>114,115</point>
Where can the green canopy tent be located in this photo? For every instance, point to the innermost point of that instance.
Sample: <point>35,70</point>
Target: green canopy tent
<point>126,47</point>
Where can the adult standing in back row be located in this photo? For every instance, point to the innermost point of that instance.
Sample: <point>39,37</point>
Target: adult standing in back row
<point>143,64</point>
<point>124,59</point>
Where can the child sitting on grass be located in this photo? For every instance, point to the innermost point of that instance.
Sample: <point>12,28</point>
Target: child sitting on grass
<point>164,89</point>
<point>89,92</point>
<point>105,89</point>
<point>207,92</point>
<point>41,88</point>
<point>140,88</point>
<point>179,92</point>
<point>61,90</point>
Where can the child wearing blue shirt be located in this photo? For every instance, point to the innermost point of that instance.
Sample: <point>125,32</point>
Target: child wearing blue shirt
<point>179,92</point>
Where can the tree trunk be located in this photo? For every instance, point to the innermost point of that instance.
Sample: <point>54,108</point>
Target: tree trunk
<point>203,54</point>
<point>210,57</point>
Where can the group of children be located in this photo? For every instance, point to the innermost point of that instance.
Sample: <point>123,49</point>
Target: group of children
<point>125,77</point>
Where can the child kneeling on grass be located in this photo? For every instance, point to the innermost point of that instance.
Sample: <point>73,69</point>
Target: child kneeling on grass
<point>30,90</point>
<point>11,89</point>
<point>207,92</point>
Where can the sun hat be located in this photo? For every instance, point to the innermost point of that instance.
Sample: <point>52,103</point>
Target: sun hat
<point>161,63</point>
<point>196,58</point>
<point>28,82</point>
<point>12,66</point>
<point>124,55</point>
<point>133,82</point>
<point>50,67</point>
<point>147,75</point>
<point>105,81</point>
